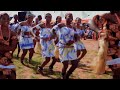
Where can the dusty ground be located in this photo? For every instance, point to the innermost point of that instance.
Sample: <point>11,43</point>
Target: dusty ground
<point>82,72</point>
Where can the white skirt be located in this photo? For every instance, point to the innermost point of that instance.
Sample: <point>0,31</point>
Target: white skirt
<point>79,45</point>
<point>47,48</point>
<point>67,54</point>
<point>26,43</point>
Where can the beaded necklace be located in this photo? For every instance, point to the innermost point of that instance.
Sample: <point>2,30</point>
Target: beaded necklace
<point>1,35</point>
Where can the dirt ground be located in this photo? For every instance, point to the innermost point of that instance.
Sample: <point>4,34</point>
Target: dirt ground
<point>84,71</point>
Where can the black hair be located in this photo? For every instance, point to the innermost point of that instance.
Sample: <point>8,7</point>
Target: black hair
<point>3,15</point>
<point>39,16</point>
<point>67,14</point>
<point>47,14</point>
<point>56,20</point>
<point>1,56</point>
<point>15,15</point>
<point>58,17</point>
<point>98,17</point>
<point>107,26</point>
<point>78,18</point>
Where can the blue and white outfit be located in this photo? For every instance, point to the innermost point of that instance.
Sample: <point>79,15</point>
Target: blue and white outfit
<point>46,46</point>
<point>90,33</point>
<point>38,27</point>
<point>66,53</point>
<point>26,41</point>
<point>79,45</point>
<point>56,28</point>
<point>82,32</point>
<point>14,27</point>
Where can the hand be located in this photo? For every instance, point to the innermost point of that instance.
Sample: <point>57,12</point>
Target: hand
<point>116,38</point>
<point>8,55</point>
<point>34,28</point>
<point>73,25</point>
<point>60,25</point>
<point>14,37</point>
<point>52,37</point>
<point>7,72</point>
<point>6,43</point>
<point>4,61</point>
<point>70,42</point>
<point>42,25</point>
<point>37,39</point>
<point>46,39</point>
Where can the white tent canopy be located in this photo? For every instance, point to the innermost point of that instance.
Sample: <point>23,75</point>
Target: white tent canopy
<point>81,14</point>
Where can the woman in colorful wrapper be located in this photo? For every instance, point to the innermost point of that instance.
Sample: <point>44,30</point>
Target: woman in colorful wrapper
<point>8,43</point>
<point>79,46</point>
<point>47,44</point>
<point>102,53</point>
<point>26,37</point>
<point>99,26</point>
<point>114,47</point>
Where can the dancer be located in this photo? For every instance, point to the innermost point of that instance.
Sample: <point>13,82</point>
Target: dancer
<point>67,51</point>
<point>102,53</point>
<point>26,39</point>
<point>56,42</point>
<point>47,44</point>
<point>14,27</point>
<point>99,26</point>
<point>79,46</point>
<point>36,31</point>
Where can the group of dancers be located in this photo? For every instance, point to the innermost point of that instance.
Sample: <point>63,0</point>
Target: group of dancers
<point>58,41</point>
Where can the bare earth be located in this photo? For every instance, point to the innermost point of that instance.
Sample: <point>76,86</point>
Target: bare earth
<point>84,71</point>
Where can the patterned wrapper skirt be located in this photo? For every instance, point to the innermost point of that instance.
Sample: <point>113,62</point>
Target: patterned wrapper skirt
<point>79,45</point>
<point>67,54</point>
<point>26,43</point>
